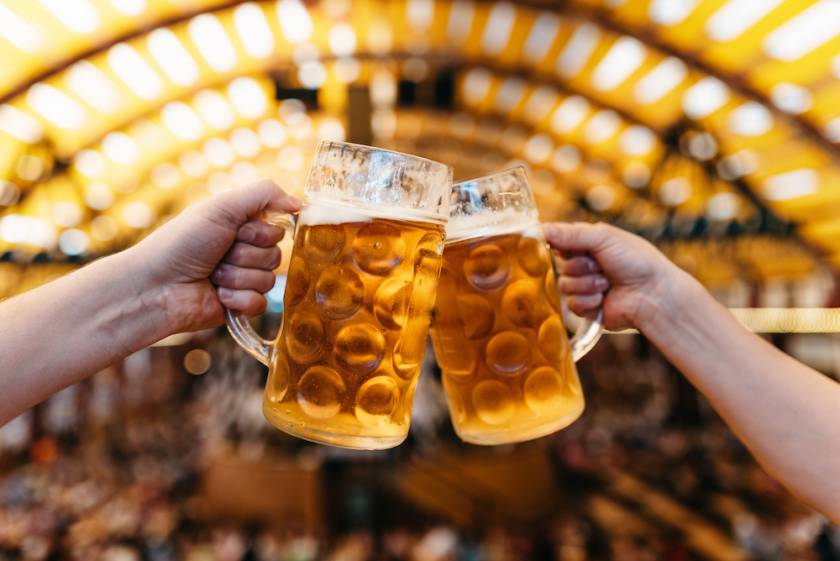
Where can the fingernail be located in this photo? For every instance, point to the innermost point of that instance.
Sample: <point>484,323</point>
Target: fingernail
<point>225,294</point>
<point>601,283</point>
<point>591,266</point>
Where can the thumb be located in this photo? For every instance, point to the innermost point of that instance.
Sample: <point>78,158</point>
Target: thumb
<point>577,237</point>
<point>246,203</point>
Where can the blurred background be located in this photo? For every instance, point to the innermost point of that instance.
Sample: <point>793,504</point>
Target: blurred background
<point>711,127</point>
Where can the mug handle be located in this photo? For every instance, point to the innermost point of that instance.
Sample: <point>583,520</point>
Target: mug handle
<point>588,331</point>
<point>587,335</point>
<point>238,325</point>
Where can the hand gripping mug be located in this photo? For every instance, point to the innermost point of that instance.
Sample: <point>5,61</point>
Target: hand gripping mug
<point>508,366</point>
<point>361,285</point>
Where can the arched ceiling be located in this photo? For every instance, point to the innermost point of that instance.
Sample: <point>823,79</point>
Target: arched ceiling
<point>650,113</point>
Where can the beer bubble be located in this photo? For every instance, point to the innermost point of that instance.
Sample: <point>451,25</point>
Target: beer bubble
<point>339,292</point>
<point>543,390</point>
<point>376,401</point>
<point>551,339</point>
<point>297,283</point>
<point>487,267</point>
<point>533,256</point>
<point>456,358</point>
<point>304,337</point>
<point>359,347</point>
<point>390,302</point>
<point>320,392</point>
<point>323,243</point>
<point>508,353</point>
<point>493,402</point>
<point>378,248</point>
<point>523,304</point>
<point>477,315</point>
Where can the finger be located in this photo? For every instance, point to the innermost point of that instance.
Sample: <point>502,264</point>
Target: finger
<point>585,304</point>
<point>240,205</point>
<point>253,257</point>
<point>239,278</point>
<point>259,233</point>
<point>579,236</point>
<point>244,301</point>
<point>580,266</point>
<point>589,284</point>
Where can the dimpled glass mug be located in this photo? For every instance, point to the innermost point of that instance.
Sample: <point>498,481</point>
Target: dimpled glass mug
<point>361,286</point>
<point>508,366</point>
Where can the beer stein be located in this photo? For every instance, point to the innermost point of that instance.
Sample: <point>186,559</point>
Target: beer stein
<point>498,333</point>
<point>360,289</point>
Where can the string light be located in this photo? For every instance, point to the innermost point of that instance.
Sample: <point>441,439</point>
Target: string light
<point>272,133</point>
<point>214,109</point>
<point>253,30</point>
<point>541,37</point>
<point>19,125</point>
<point>80,16</point>
<point>134,71</point>
<point>55,106</point>
<point>294,20</point>
<point>130,8</point>
<point>18,32</point>
<point>91,85</point>
<point>247,97</point>
<point>172,57</point>
<point>213,42</point>
<point>182,121</point>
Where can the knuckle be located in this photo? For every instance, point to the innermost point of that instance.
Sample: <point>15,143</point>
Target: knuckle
<point>220,275</point>
<point>238,253</point>
<point>247,233</point>
<point>260,237</point>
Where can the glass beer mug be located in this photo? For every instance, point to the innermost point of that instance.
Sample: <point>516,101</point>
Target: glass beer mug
<point>361,286</point>
<point>498,334</point>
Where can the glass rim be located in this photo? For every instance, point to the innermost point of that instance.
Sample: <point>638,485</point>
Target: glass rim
<point>322,144</point>
<point>374,211</point>
<point>518,169</point>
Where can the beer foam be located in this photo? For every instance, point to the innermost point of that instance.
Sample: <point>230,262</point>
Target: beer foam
<point>493,223</point>
<point>320,210</point>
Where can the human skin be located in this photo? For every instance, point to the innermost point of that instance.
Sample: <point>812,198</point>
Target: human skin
<point>787,414</point>
<point>215,253</point>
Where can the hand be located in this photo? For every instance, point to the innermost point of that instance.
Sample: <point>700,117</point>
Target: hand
<point>605,265</point>
<point>216,253</point>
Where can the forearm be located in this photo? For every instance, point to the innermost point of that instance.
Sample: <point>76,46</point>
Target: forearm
<point>58,334</point>
<point>787,414</point>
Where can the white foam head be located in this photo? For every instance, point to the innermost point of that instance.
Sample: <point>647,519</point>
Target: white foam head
<point>320,209</point>
<point>493,223</point>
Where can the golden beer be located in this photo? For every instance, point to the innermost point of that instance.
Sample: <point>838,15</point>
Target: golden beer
<point>508,366</point>
<point>358,302</point>
<point>360,289</point>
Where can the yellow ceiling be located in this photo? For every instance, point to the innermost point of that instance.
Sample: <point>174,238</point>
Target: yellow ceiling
<point>105,105</point>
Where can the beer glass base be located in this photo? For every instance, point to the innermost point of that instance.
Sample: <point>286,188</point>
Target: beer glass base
<point>511,435</point>
<point>351,441</point>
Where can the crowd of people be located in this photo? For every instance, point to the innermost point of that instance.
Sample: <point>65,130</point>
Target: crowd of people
<point>112,469</point>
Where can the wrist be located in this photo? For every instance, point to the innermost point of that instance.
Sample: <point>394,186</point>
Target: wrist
<point>669,300</point>
<point>149,293</point>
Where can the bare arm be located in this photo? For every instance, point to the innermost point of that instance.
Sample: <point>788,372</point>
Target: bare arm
<point>787,414</point>
<point>57,334</point>
<point>175,280</point>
